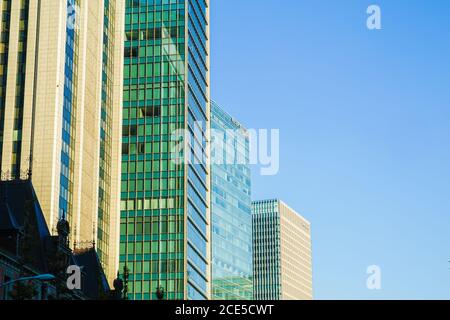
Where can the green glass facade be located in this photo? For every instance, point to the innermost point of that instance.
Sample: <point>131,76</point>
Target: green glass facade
<point>4,50</point>
<point>164,204</point>
<point>266,250</point>
<point>106,118</point>
<point>20,88</point>
<point>69,114</point>
<point>231,215</point>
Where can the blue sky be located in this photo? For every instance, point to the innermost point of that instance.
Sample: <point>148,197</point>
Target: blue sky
<point>364,119</point>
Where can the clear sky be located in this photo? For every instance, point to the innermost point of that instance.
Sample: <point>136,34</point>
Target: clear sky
<point>364,119</point>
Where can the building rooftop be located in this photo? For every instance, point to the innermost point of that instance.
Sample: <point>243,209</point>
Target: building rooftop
<point>24,236</point>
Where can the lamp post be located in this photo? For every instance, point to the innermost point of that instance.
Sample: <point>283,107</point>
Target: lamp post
<point>40,277</point>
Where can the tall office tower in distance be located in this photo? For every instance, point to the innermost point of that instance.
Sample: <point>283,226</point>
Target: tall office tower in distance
<point>60,112</point>
<point>231,209</point>
<point>165,214</point>
<point>281,252</point>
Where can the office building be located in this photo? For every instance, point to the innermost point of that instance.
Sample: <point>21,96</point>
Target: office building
<point>60,112</point>
<point>281,252</point>
<point>231,211</point>
<point>165,212</point>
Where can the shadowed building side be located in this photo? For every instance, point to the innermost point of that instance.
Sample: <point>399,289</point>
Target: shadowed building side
<point>28,249</point>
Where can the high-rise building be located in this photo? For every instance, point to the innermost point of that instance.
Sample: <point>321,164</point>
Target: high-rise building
<point>60,112</point>
<point>281,252</point>
<point>231,211</point>
<point>165,214</point>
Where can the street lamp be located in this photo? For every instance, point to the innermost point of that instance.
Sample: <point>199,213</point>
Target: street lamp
<point>40,277</point>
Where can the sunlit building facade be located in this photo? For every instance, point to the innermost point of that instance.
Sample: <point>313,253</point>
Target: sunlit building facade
<point>281,252</point>
<point>231,213</point>
<point>165,211</point>
<point>60,119</point>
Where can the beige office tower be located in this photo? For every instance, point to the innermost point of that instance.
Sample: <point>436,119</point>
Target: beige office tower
<point>61,65</point>
<point>282,263</point>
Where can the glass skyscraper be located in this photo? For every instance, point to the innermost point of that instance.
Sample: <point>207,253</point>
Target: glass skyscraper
<point>165,215</point>
<point>281,252</point>
<point>60,92</point>
<point>231,215</point>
